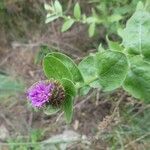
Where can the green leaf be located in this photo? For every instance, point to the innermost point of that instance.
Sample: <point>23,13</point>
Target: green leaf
<point>91,30</point>
<point>84,90</point>
<point>112,67</point>
<point>140,6</point>
<point>90,20</point>
<point>58,7</point>
<point>77,11</point>
<point>47,7</point>
<point>67,24</point>
<point>49,110</point>
<point>88,71</point>
<point>137,82</point>
<point>51,18</point>
<point>69,63</point>
<point>115,46</point>
<point>84,18</point>
<point>69,87</point>
<point>68,108</point>
<point>114,18</point>
<point>136,35</point>
<point>100,48</point>
<point>147,5</point>
<point>49,15</point>
<point>2,5</point>
<point>54,68</point>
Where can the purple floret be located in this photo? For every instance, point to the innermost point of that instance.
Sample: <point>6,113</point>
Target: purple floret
<point>40,93</point>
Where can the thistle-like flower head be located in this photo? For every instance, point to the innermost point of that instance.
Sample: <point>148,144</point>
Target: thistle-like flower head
<point>48,92</point>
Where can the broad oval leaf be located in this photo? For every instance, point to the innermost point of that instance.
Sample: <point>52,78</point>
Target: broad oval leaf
<point>136,35</point>
<point>68,108</point>
<point>69,87</point>
<point>137,82</point>
<point>112,67</point>
<point>69,63</point>
<point>67,25</point>
<point>54,68</point>
<point>88,71</point>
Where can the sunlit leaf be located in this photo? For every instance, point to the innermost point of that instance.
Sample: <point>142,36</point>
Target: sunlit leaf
<point>51,18</point>
<point>47,7</point>
<point>67,25</point>
<point>58,6</point>
<point>77,11</point>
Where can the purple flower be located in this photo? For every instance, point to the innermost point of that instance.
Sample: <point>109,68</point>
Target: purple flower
<point>40,93</point>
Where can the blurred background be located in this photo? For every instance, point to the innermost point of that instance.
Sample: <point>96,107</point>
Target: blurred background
<point>100,122</point>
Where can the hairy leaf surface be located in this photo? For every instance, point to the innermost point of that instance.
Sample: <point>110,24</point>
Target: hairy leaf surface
<point>112,67</point>
<point>137,82</point>
<point>54,68</point>
<point>136,35</point>
<point>88,70</point>
<point>69,63</point>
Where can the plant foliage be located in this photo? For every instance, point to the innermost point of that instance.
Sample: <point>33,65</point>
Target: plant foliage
<point>100,14</point>
<point>125,64</point>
